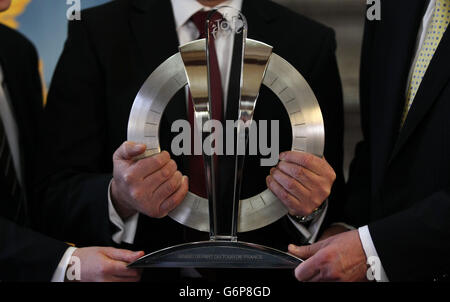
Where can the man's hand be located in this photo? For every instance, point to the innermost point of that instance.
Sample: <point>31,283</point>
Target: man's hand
<point>301,181</point>
<point>152,186</point>
<point>106,264</point>
<point>338,258</point>
<point>332,231</point>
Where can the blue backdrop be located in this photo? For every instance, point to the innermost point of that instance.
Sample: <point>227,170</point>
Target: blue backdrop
<point>44,22</point>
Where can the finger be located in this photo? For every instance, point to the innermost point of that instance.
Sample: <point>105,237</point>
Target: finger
<point>316,278</point>
<point>130,273</point>
<point>129,150</point>
<point>123,255</point>
<point>305,251</point>
<point>111,268</point>
<point>134,275</point>
<point>126,279</point>
<point>154,181</point>
<point>150,165</point>
<point>284,196</point>
<point>167,189</point>
<point>311,162</point>
<point>307,270</point>
<point>307,178</point>
<point>291,185</point>
<point>175,199</point>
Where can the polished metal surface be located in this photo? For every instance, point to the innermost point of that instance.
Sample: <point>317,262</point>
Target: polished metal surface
<point>196,65</point>
<point>283,79</point>
<point>218,254</point>
<point>256,60</point>
<point>227,36</point>
<point>151,101</point>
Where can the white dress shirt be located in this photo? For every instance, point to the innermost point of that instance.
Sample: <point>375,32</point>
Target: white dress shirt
<point>187,31</point>
<point>364,233</point>
<point>12,136</point>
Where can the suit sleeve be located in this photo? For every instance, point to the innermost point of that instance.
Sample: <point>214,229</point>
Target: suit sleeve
<point>26,255</point>
<point>414,244</point>
<point>73,173</point>
<point>355,209</point>
<point>326,84</point>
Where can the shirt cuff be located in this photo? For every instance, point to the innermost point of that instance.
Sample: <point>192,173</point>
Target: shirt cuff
<point>127,229</point>
<point>60,272</point>
<point>311,232</point>
<point>373,260</point>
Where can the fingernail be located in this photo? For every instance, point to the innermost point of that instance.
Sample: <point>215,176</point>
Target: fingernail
<point>272,170</point>
<point>139,147</point>
<point>269,179</point>
<point>283,155</point>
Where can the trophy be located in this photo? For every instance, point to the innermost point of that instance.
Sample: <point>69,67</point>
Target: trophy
<point>241,65</point>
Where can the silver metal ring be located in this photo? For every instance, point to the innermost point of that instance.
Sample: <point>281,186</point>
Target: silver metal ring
<point>283,79</point>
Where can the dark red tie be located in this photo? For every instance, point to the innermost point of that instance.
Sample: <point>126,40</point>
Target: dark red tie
<point>197,183</point>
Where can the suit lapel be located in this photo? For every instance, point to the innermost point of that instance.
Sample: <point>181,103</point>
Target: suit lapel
<point>435,79</point>
<point>259,20</point>
<point>157,41</point>
<point>16,100</point>
<point>394,46</point>
<point>155,35</point>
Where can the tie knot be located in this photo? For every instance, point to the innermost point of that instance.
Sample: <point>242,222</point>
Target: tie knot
<point>199,19</point>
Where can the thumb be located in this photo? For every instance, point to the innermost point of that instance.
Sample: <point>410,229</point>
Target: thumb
<point>129,150</point>
<point>304,252</point>
<point>123,255</point>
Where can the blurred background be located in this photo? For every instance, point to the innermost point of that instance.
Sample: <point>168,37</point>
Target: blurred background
<point>44,22</point>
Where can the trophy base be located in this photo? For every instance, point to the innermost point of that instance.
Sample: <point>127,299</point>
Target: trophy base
<point>218,254</point>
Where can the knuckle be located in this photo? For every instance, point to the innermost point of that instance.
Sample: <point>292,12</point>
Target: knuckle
<point>298,172</point>
<point>128,178</point>
<point>285,196</point>
<point>158,177</point>
<point>172,186</point>
<point>333,176</point>
<point>165,172</point>
<point>173,165</point>
<point>291,184</point>
<point>159,161</point>
<point>306,159</point>
<point>165,154</point>
<point>135,194</point>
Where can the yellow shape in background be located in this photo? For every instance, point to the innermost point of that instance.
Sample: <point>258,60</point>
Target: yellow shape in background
<point>44,88</point>
<point>9,16</point>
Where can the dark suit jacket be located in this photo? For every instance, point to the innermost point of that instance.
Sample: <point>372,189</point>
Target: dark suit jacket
<point>24,254</point>
<point>399,179</point>
<point>107,57</point>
